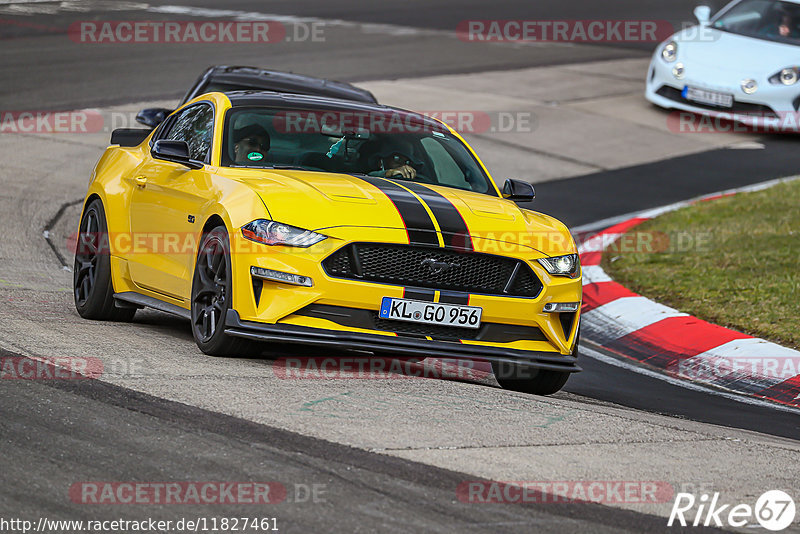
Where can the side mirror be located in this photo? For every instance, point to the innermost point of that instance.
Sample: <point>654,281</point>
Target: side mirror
<point>518,191</point>
<point>152,117</point>
<point>174,151</point>
<point>703,14</point>
<point>129,137</point>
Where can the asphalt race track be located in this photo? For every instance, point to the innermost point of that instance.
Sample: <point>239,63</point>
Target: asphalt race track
<point>387,455</point>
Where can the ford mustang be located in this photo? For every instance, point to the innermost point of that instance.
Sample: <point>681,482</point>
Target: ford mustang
<point>267,217</point>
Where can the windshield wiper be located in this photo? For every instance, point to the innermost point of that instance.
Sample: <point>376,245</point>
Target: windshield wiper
<point>270,167</point>
<point>289,168</point>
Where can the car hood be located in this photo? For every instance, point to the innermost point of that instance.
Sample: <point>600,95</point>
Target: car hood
<point>739,54</point>
<point>325,202</point>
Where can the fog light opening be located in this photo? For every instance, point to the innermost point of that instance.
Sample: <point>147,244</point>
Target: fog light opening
<point>561,307</point>
<point>749,86</point>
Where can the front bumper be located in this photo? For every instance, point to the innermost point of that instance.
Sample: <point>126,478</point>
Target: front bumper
<point>264,302</point>
<point>395,345</point>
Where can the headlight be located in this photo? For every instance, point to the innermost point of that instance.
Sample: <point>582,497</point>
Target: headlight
<point>670,52</point>
<point>787,76</point>
<point>562,265</point>
<point>275,233</point>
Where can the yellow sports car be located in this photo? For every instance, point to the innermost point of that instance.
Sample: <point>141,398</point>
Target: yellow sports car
<point>266,217</point>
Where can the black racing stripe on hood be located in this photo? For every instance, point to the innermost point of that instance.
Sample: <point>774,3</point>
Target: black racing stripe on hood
<point>455,232</point>
<point>419,225</point>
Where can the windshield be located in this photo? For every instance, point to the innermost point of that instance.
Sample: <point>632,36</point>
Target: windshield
<point>763,19</point>
<point>390,144</point>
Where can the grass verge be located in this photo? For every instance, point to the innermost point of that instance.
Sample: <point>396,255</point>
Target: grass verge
<point>733,261</point>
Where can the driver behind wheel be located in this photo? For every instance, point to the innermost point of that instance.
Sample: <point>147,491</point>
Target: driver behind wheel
<point>395,160</point>
<point>787,27</point>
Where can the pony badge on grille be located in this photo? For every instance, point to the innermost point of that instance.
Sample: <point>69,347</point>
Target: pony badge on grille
<point>438,267</point>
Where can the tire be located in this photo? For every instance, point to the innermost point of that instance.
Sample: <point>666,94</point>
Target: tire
<point>526,379</point>
<point>542,383</point>
<point>91,279</point>
<point>211,297</point>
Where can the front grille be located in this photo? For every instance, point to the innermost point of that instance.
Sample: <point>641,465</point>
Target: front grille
<point>406,265</point>
<point>743,108</point>
<point>451,333</point>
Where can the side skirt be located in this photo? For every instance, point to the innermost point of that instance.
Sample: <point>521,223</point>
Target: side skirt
<point>128,298</point>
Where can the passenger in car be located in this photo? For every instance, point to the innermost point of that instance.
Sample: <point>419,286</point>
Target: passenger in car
<point>787,27</point>
<point>251,144</point>
<point>780,24</point>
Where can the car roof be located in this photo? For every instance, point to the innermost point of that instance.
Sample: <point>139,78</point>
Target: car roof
<point>273,99</point>
<point>285,82</point>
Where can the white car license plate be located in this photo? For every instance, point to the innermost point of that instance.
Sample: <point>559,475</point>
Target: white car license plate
<point>712,98</point>
<point>417,311</point>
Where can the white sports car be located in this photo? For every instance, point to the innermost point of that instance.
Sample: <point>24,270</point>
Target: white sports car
<point>741,64</point>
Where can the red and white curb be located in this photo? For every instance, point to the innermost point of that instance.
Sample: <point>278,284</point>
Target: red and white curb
<point>686,347</point>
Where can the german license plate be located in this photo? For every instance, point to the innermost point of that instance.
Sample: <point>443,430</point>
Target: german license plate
<point>712,98</point>
<point>416,311</point>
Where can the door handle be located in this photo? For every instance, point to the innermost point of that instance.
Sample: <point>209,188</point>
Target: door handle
<point>140,181</point>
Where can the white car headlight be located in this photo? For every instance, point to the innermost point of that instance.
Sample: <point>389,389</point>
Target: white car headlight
<point>275,233</point>
<point>787,76</point>
<point>562,265</point>
<point>670,52</point>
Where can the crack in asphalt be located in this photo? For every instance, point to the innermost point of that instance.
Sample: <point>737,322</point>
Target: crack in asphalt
<point>49,227</point>
<point>540,445</point>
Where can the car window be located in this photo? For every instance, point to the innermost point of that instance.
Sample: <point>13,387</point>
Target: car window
<point>195,125</point>
<point>445,167</point>
<point>764,19</point>
<point>379,144</point>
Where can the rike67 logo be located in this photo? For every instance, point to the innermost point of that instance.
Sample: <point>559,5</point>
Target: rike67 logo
<point>774,510</point>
